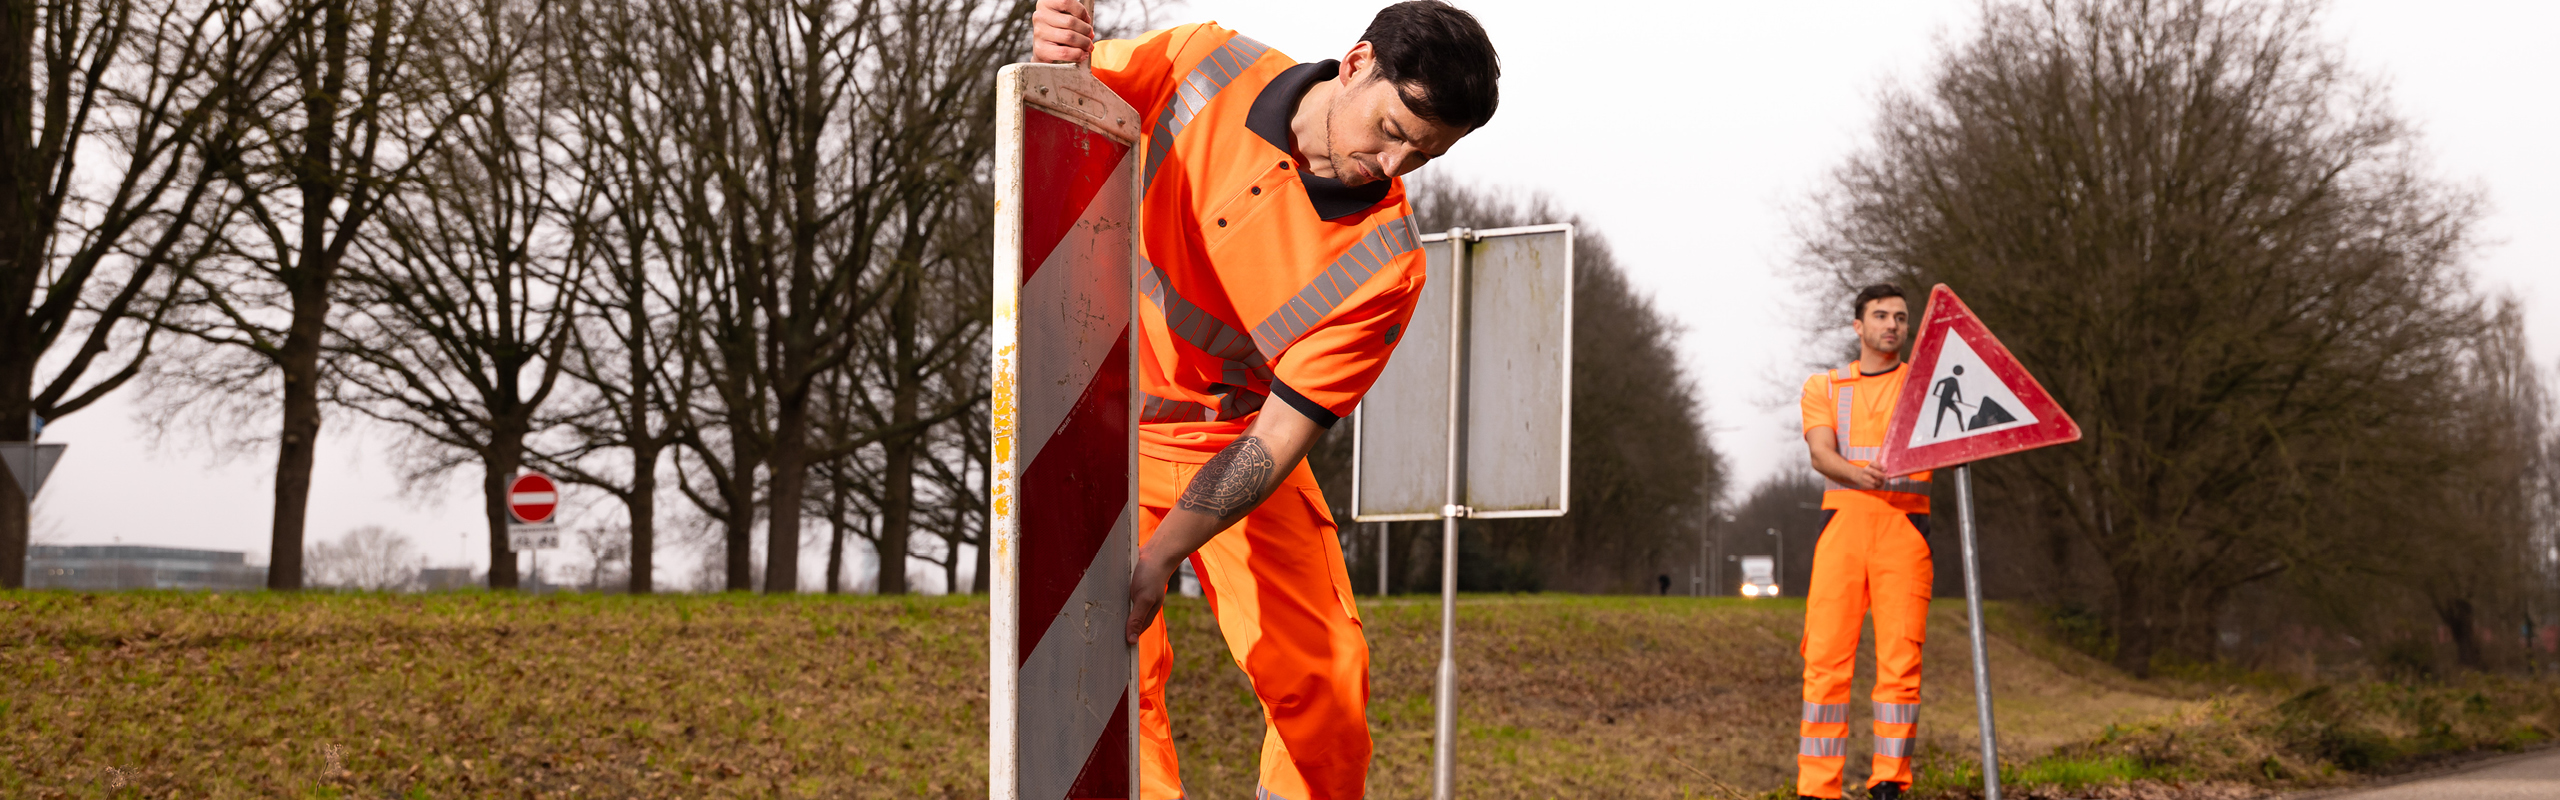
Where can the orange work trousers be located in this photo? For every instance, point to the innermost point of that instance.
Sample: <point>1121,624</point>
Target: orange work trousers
<point>1283,600</point>
<point>1872,557</point>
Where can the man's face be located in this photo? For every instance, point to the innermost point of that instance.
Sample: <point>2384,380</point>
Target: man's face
<point>1370,134</point>
<point>1883,324</point>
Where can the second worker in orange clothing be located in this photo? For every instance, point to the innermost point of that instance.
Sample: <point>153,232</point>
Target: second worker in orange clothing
<point>1279,269</point>
<point>1873,557</point>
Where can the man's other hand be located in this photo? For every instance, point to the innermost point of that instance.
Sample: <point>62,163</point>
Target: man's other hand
<point>1061,32</point>
<point>1147,580</point>
<point>1867,479</point>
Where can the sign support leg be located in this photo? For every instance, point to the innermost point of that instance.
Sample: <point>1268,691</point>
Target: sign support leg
<point>1444,750</point>
<point>1973,616</point>
<point>1382,559</point>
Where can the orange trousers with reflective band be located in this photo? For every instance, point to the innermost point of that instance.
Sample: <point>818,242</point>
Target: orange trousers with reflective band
<point>1277,585</point>
<point>1871,558</point>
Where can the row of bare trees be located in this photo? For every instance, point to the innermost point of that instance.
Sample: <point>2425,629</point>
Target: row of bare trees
<point>2221,250</point>
<point>730,251</point>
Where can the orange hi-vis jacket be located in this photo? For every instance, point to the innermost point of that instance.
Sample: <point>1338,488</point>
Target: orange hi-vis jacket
<point>1857,407</point>
<point>1261,280</point>
<point>1873,559</point>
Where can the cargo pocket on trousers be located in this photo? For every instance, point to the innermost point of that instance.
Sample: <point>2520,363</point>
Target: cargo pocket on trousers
<point>1335,568</point>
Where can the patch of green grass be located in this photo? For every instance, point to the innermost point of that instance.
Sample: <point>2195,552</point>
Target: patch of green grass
<point>2079,772</point>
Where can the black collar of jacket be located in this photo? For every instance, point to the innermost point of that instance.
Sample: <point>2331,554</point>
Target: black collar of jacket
<point>1269,119</point>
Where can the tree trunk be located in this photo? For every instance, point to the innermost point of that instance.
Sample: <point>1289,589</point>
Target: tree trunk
<point>2136,624</point>
<point>297,448</point>
<point>738,528</point>
<point>17,518</point>
<point>505,458</point>
<point>897,498</point>
<point>835,539</point>
<point>951,564</point>
<point>21,179</point>
<point>307,282</point>
<point>2460,620</point>
<point>986,512</point>
<point>643,505</point>
<point>898,492</point>
<point>789,461</point>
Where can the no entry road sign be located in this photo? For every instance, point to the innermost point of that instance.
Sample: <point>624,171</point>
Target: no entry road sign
<point>532,498</point>
<point>1976,400</point>
<point>1062,680</point>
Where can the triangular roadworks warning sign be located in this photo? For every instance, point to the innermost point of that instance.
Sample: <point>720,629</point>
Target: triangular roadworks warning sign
<point>1968,398</point>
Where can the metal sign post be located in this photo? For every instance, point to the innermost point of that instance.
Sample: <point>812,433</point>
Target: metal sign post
<point>1444,695</point>
<point>1471,417</point>
<point>1973,621</point>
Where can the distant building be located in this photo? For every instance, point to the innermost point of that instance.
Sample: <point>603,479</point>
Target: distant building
<point>104,567</point>
<point>445,579</point>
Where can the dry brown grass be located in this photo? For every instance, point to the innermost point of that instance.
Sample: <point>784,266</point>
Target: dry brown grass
<point>476,695</point>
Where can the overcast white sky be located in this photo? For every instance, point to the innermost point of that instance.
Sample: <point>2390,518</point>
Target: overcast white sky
<point>1684,132</point>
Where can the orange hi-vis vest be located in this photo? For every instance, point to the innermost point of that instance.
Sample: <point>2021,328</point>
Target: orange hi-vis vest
<point>1857,407</point>
<point>1260,280</point>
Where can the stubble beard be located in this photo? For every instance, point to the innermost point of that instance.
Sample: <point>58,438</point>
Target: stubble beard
<point>1331,106</point>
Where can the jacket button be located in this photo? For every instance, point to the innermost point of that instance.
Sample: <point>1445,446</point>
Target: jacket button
<point>1257,190</point>
<point>1284,165</point>
<point>1222,222</point>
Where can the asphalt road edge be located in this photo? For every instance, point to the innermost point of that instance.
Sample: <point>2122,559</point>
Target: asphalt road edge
<point>2453,765</point>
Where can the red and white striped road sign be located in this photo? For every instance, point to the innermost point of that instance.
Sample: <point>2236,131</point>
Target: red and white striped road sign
<point>532,498</point>
<point>1063,682</point>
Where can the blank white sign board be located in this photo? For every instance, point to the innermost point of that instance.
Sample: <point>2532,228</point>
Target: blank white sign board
<point>1519,324</point>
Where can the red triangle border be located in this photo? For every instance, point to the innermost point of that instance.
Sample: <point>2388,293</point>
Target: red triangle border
<point>1948,315</point>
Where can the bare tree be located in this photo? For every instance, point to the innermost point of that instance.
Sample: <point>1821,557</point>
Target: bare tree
<point>456,313</point>
<point>89,249</point>
<point>371,558</point>
<point>623,352</point>
<point>2217,248</point>
<point>320,143</point>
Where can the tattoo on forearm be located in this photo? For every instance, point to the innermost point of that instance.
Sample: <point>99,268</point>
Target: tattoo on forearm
<point>1233,482</point>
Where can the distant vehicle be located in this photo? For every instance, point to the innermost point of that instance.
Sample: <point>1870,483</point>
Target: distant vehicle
<point>1759,576</point>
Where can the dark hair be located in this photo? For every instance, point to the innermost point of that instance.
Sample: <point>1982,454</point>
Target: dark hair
<point>1858,308</point>
<point>1432,46</point>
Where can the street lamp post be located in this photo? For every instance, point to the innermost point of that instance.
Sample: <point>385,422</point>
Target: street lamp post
<point>1782,561</point>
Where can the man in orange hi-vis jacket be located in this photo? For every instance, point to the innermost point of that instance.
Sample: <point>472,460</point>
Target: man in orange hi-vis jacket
<point>1281,265</point>
<point>1873,556</point>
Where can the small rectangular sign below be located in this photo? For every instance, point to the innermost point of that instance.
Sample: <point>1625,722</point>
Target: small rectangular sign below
<point>533,537</point>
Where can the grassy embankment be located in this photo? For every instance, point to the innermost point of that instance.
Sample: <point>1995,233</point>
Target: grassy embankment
<point>473,695</point>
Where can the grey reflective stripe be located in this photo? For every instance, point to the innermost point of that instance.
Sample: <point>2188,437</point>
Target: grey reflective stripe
<point>1158,409</point>
<point>1235,402</point>
<point>1320,296</point>
<point>1822,748</point>
<point>1860,453</point>
<point>1196,90</point>
<point>1905,484</point>
<point>1893,748</point>
<point>1826,712</point>
<point>1898,713</point>
<point>1202,329</point>
<point>1842,398</point>
<point>1260,793</point>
